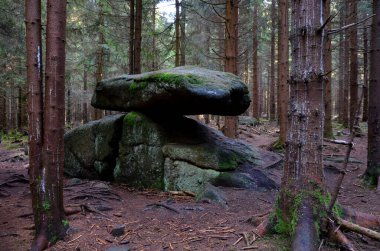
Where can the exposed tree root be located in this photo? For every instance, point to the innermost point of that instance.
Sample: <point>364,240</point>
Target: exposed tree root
<point>305,237</point>
<point>362,219</point>
<point>40,243</point>
<point>337,236</point>
<point>359,229</point>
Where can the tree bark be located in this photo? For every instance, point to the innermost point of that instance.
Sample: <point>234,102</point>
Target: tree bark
<point>341,70</point>
<point>353,63</point>
<point>283,67</point>
<point>154,66</point>
<point>137,40</point>
<point>272,111</point>
<point>255,65</point>
<point>84,104</point>
<point>365,75</point>
<point>328,130</point>
<point>372,173</point>
<point>303,169</point>
<point>231,40</point>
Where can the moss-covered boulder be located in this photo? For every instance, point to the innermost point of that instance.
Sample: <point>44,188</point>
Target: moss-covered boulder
<point>91,150</point>
<point>141,162</point>
<point>168,153</point>
<point>183,90</point>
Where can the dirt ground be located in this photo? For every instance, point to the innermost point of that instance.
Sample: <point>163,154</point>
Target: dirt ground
<point>157,220</point>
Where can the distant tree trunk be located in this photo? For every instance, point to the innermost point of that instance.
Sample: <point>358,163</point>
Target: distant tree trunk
<point>84,104</point>
<point>365,75</point>
<point>177,34</point>
<point>137,40</point>
<point>328,130</point>
<point>372,173</point>
<point>154,66</point>
<point>231,39</point>
<point>183,33</point>
<point>3,108</point>
<point>303,168</point>
<point>346,79</point>
<point>255,65</point>
<point>341,70</point>
<point>283,67</point>
<point>131,35</point>
<point>22,118</point>
<point>353,64</point>
<point>100,57</point>
<point>272,83</point>
<point>46,140</point>
<point>69,105</point>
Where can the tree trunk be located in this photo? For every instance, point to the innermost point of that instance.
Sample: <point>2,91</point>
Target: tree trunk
<point>69,105</point>
<point>272,83</point>
<point>3,107</point>
<point>373,166</point>
<point>303,169</point>
<point>365,75</point>
<point>100,57</point>
<point>137,41</point>
<point>183,33</point>
<point>346,80</point>
<point>154,66</point>
<point>177,34</point>
<point>341,70</point>
<point>328,130</point>
<point>353,64</point>
<point>131,35</point>
<point>255,65</point>
<point>283,67</point>
<point>84,104</point>
<point>35,104</point>
<point>46,171</point>
<point>231,39</point>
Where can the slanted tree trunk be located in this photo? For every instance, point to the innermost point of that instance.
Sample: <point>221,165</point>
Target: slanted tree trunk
<point>353,63</point>
<point>137,40</point>
<point>272,111</point>
<point>372,173</point>
<point>255,65</point>
<point>231,40</point>
<point>303,176</point>
<point>283,68</point>
<point>365,75</point>
<point>46,127</point>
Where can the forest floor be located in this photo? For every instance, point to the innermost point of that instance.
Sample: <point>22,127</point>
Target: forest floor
<point>157,220</point>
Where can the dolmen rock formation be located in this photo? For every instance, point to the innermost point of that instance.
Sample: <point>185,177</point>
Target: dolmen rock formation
<point>154,145</point>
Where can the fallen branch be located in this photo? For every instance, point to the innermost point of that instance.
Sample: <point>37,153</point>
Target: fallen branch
<point>337,236</point>
<point>362,219</point>
<point>358,229</point>
<point>337,141</point>
<point>334,194</point>
<point>164,206</point>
